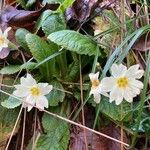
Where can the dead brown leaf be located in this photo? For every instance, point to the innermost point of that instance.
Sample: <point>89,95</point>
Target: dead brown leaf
<point>15,17</point>
<point>81,9</point>
<point>94,141</point>
<point>142,44</point>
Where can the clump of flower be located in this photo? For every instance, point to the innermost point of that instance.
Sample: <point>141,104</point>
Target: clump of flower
<point>32,92</point>
<point>123,84</point>
<point>96,88</point>
<point>3,38</point>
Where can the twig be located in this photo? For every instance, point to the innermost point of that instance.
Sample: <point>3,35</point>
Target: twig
<point>14,127</point>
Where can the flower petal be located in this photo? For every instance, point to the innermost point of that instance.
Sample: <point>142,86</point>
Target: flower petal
<point>94,76</point>
<point>45,88</point>
<point>28,81</point>
<point>42,102</point>
<point>107,84</point>
<point>136,83</point>
<point>118,70</point>
<point>116,95</point>
<point>30,100</point>
<point>97,97</point>
<point>20,92</point>
<point>128,95</point>
<point>134,72</point>
<point>1,33</point>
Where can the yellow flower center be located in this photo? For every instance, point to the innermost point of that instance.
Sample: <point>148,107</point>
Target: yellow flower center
<point>2,40</point>
<point>122,82</point>
<point>95,83</point>
<point>35,91</point>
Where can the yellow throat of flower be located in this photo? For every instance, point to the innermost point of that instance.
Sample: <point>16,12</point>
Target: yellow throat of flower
<point>2,40</point>
<point>95,83</point>
<point>122,82</point>
<point>35,91</point>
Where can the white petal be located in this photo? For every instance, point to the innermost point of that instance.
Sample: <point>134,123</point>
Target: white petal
<point>135,91</point>
<point>136,83</point>
<point>1,48</point>
<point>45,88</point>
<point>119,100</point>
<point>42,102</point>
<point>6,32</point>
<point>20,93</point>
<point>118,70</point>
<point>28,81</point>
<point>94,76</point>
<point>105,94</point>
<point>128,95</point>
<point>116,95</point>
<point>107,84</point>
<point>97,97</point>
<point>134,72</point>
<point>30,100</point>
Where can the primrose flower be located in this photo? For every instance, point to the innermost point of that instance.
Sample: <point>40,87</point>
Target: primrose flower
<point>96,88</point>
<point>123,84</point>
<point>32,92</point>
<point>3,38</point>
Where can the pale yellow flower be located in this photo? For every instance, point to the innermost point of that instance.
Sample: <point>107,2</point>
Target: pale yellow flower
<point>3,38</point>
<point>96,88</point>
<point>32,92</point>
<point>123,83</point>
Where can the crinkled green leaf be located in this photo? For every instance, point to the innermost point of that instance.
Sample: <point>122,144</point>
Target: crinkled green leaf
<point>56,96</point>
<point>40,50</point>
<point>42,18</point>
<point>28,65</point>
<point>114,111</point>
<point>11,102</point>
<point>74,41</point>
<point>11,69</point>
<point>57,134</point>
<point>20,37</point>
<point>54,22</point>
<point>73,71</point>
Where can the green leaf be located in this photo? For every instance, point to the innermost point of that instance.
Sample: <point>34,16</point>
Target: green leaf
<point>56,96</point>
<point>28,65</point>
<point>57,134</point>
<point>20,37</point>
<point>40,50</point>
<point>41,19</point>
<point>11,102</point>
<point>8,116</point>
<point>66,4</point>
<point>73,71</point>
<point>114,111</point>
<point>11,69</point>
<point>54,22</point>
<point>74,41</point>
